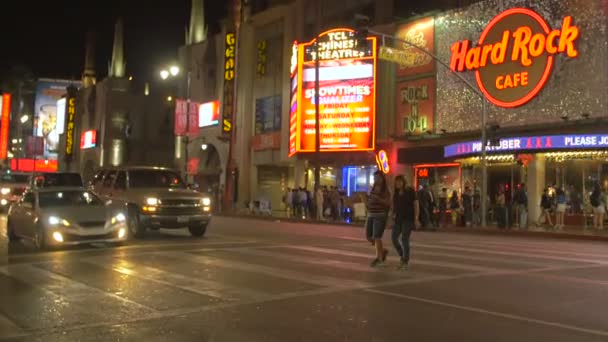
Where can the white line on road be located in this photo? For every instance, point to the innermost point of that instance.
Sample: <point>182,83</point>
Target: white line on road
<point>492,313</point>
<point>191,284</point>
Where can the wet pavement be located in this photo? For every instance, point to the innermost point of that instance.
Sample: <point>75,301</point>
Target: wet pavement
<point>252,280</point>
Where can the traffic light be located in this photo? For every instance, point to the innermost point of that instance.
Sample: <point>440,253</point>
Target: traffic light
<point>361,25</point>
<point>492,134</point>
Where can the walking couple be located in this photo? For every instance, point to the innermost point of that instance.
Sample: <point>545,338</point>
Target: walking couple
<point>405,209</point>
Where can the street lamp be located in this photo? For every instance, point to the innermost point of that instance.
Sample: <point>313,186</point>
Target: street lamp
<point>173,71</point>
<point>24,118</point>
<point>204,147</point>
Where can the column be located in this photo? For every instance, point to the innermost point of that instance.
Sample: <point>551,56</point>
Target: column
<point>299,174</point>
<point>535,184</point>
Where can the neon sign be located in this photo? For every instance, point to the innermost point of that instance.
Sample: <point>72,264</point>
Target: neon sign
<point>70,125</point>
<point>546,143</point>
<point>347,93</point>
<point>382,161</point>
<point>88,139</point>
<point>229,83</point>
<point>423,173</point>
<point>514,55</point>
<point>5,110</point>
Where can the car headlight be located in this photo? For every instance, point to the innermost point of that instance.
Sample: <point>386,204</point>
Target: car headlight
<point>5,191</point>
<point>152,201</point>
<point>58,221</point>
<point>206,201</point>
<point>120,217</point>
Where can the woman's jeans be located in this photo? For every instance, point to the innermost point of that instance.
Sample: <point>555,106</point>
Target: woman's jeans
<point>401,238</point>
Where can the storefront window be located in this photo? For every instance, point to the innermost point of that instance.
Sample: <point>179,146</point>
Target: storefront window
<point>356,179</point>
<point>438,176</point>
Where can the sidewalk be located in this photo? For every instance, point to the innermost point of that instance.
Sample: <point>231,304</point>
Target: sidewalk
<point>575,233</point>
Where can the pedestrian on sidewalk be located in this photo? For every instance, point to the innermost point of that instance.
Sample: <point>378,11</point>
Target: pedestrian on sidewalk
<point>599,207</point>
<point>467,205</point>
<point>319,202</point>
<point>455,208</point>
<point>545,207</point>
<point>560,209</point>
<point>288,200</point>
<point>378,206</point>
<point>405,210</point>
<point>443,207</point>
<point>521,204</point>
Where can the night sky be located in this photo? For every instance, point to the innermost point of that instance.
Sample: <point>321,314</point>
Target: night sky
<point>49,36</point>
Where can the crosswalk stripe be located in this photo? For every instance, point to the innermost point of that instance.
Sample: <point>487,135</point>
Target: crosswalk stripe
<point>492,313</point>
<point>417,261</point>
<point>519,254</point>
<point>59,285</point>
<point>527,248</point>
<point>8,327</point>
<point>270,271</point>
<point>200,286</point>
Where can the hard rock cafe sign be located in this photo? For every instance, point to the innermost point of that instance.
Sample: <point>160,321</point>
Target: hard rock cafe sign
<point>514,55</point>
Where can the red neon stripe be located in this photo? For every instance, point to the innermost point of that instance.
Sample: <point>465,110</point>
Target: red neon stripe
<point>6,111</point>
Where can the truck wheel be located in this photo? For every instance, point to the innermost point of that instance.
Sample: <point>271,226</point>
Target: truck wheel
<point>10,232</point>
<point>40,239</point>
<point>198,230</point>
<point>136,229</point>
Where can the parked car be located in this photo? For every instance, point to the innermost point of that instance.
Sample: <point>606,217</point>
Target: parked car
<point>55,179</point>
<point>60,216</point>
<point>153,198</point>
<point>12,186</point>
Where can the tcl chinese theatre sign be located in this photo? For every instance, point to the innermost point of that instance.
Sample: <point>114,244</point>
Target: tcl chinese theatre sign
<point>347,93</point>
<point>514,55</point>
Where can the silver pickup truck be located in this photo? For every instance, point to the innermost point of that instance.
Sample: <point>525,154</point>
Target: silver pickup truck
<point>153,198</point>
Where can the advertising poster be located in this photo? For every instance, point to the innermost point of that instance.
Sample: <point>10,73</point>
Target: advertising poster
<point>346,93</point>
<point>422,34</point>
<point>415,106</point>
<point>267,114</point>
<point>48,92</point>
<point>209,114</point>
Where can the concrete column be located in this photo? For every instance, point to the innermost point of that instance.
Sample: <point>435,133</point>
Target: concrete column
<point>253,181</point>
<point>299,173</point>
<point>535,184</point>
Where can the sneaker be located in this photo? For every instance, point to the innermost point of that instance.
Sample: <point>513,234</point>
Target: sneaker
<point>375,262</point>
<point>384,254</point>
<point>403,265</point>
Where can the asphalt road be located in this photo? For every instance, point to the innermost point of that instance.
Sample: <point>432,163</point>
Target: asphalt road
<point>271,281</point>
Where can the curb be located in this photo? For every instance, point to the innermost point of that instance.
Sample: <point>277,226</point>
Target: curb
<point>459,230</point>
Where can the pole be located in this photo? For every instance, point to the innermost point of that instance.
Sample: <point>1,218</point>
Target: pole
<point>186,136</point>
<point>484,164</point>
<point>317,119</point>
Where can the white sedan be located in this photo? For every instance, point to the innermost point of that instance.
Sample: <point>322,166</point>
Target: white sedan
<point>53,217</point>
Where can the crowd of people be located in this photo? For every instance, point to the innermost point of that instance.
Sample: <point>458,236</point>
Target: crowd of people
<point>326,203</point>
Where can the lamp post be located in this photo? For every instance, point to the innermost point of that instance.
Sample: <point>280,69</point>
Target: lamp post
<point>174,71</point>
<point>484,114</point>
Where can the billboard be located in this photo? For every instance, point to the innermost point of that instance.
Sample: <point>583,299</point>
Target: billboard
<point>415,106</point>
<point>347,93</point>
<point>422,34</point>
<point>268,114</point>
<point>5,110</point>
<point>88,139</point>
<point>209,114</point>
<point>48,92</point>
<point>61,115</point>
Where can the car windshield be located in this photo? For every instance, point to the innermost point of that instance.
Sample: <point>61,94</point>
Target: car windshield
<point>155,179</point>
<point>59,179</point>
<point>67,198</point>
<point>12,178</point>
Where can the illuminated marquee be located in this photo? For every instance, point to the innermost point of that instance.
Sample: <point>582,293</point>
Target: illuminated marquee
<point>69,129</point>
<point>88,139</point>
<point>5,110</point>
<point>514,55</point>
<point>347,93</point>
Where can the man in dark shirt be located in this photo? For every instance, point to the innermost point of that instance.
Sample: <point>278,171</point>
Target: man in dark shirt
<point>406,211</point>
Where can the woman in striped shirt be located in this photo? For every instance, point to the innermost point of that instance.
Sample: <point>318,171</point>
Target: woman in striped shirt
<point>378,206</point>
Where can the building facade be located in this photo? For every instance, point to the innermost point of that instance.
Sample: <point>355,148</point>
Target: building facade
<point>545,112</point>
